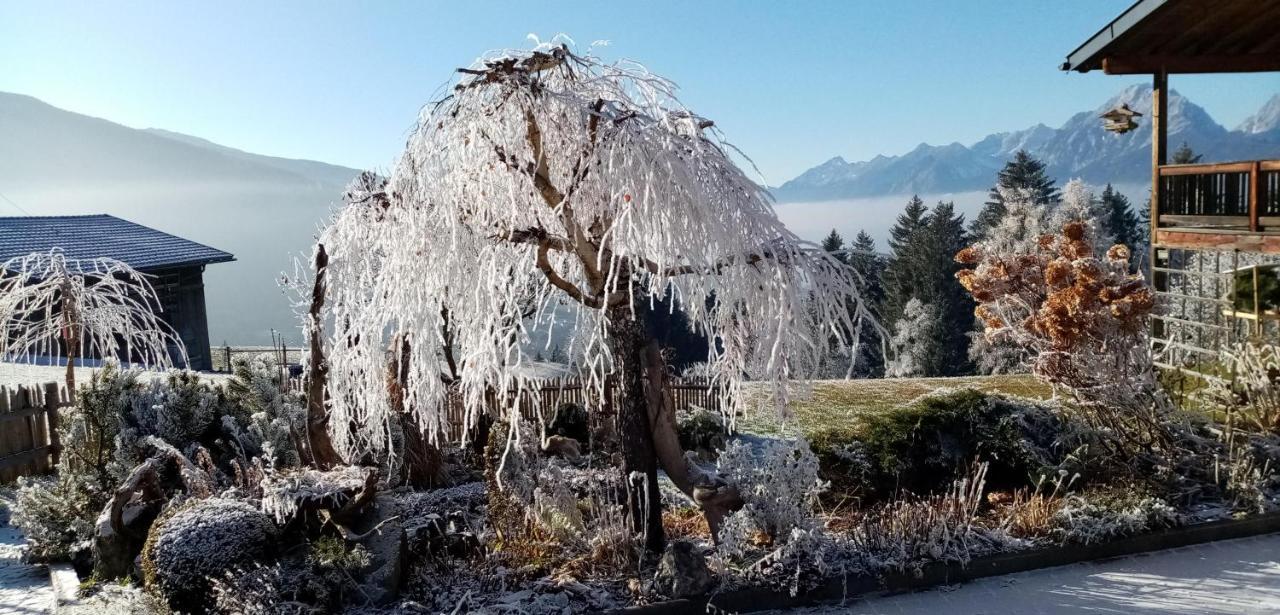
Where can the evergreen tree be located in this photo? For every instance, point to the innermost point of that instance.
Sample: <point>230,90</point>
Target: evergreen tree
<point>913,341</point>
<point>897,281</point>
<point>863,257</point>
<point>943,237</point>
<point>923,268</point>
<point>1024,172</point>
<point>1120,221</point>
<point>1185,155</point>
<point>835,243</point>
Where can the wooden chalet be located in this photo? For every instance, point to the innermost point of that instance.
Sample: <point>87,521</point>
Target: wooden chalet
<point>1215,227</point>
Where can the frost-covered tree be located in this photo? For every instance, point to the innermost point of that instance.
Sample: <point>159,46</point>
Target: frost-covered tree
<point>1079,205</point>
<point>1023,174</point>
<point>556,180</point>
<point>57,308</point>
<point>914,343</point>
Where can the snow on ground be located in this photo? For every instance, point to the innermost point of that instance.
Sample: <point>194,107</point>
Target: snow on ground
<point>24,588</point>
<point>1237,577</point>
<point>18,374</point>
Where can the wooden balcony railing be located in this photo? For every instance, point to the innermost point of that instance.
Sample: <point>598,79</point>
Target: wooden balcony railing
<point>1241,196</point>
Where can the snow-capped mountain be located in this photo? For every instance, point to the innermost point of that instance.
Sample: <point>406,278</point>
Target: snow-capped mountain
<point>1079,148</point>
<point>1266,119</point>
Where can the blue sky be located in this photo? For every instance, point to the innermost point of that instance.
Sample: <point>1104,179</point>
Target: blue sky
<point>791,83</point>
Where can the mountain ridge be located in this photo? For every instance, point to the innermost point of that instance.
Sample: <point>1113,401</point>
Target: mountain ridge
<point>1078,148</point>
<point>263,209</point>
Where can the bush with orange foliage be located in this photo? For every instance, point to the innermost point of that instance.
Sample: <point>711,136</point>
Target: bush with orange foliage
<point>1083,319</point>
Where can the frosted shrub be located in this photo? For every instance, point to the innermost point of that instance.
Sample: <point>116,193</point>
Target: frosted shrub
<point>1083,320</point>
<point>1252,395</point>
<point>1102,517</point>
<point>52,513</point>
<point>779,482</point>
<point>200,540</point>
<point>272,417</point>
<point>909,532</point>
<point>775,538</point>
<point>178,409</point>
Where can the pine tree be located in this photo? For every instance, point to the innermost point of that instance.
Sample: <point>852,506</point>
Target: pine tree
<point>835,243</point>
<point>1024,172</point>
<point>1119,219</point>
<point>923,268</point>
<point>898,279</point>
<point>1185,155</point>
<point>943,237</point>
<point>863,257</point>
<point>1016,232</point>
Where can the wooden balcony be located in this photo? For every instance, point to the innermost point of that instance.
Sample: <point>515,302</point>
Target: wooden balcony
<point>1221,205</point>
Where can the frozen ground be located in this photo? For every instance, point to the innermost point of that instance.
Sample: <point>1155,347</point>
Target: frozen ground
<point>1237,577</point>
<point>15,374</point>
<point>24,589</point>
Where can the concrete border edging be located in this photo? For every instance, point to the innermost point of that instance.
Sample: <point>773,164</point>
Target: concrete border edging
<point>841,589</point>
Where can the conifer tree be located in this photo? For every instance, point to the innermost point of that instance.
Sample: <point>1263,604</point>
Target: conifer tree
<point>1185,155</point>
<point>942,238</point>
<point>863,257</point>
<point>897,280</point>
<point>1024,172</point>
<point>913,341</point>
<point>1119,219</point>
<point>834,243</point>
<point>922,268</point>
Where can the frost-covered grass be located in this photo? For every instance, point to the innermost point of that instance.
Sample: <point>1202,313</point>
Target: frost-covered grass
<point>843,403</point>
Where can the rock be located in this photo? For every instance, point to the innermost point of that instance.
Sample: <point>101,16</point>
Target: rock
<point>388,547</point>
<point>114,552</point>
<point>199,540</point>
<point>561,446</point>
<point>683,572</point>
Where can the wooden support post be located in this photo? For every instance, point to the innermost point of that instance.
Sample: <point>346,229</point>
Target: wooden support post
<point>52,402</point>
<point>1255,194</point>
<point>1159,157</point>
<point>1257,304</point>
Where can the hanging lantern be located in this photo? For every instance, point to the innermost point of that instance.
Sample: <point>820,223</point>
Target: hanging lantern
<point>1120,120</point>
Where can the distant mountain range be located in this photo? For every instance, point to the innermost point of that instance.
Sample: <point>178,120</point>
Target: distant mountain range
<point>264,210</point>
<point>1079,148</point>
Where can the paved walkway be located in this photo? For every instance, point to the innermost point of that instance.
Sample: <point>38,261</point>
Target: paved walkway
<point>24,589</point>
<point>1236,577</point>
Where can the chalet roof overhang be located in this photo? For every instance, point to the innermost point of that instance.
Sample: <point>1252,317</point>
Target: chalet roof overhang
<point>1185,36</point>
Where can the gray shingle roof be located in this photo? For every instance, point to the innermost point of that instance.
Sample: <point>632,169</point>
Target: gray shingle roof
<point>86,237</point>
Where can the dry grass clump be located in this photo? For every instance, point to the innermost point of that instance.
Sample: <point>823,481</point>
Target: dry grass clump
<point>909,532</point>
<point>686,522</point>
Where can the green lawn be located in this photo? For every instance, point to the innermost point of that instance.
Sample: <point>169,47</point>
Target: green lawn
<point>841,403</point>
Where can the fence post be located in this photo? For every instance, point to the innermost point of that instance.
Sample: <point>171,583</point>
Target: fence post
<point>52,402</point>
<point>226,351</point>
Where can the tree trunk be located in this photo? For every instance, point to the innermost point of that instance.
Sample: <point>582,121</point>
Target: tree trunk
<point>712,494</point>
<point>323,454</point>
<point>627,341</point>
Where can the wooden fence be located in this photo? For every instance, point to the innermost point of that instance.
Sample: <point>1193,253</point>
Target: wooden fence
<point>685,393</point>
<point>29,429</point>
